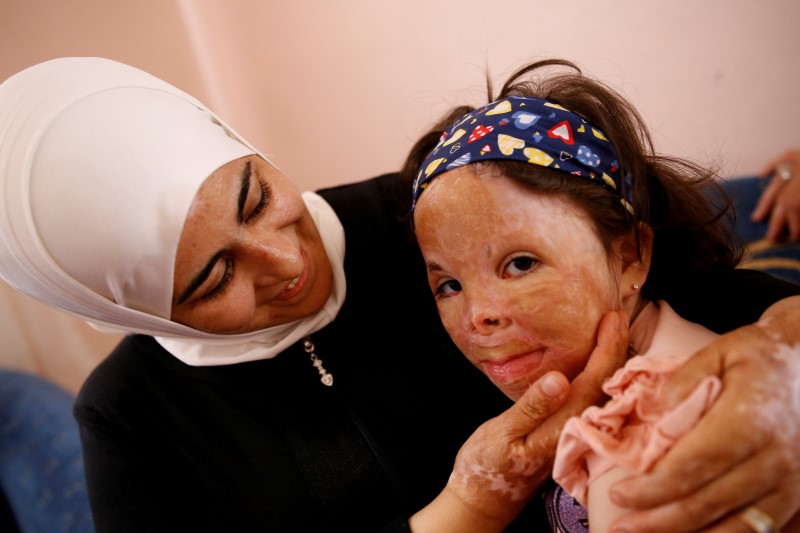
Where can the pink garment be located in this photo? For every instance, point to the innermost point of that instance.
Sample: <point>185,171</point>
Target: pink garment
<point>632,429</point>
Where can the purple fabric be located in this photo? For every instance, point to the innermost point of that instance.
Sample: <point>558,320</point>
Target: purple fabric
<point>564,513</point>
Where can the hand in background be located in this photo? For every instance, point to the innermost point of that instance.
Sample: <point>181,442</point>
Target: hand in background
<point>780,201</point>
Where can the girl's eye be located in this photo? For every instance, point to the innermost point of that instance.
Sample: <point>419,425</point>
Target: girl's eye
<point>447,288</point>
<point>220,287</point>
<point>519,266</point>
<point>263,196</point>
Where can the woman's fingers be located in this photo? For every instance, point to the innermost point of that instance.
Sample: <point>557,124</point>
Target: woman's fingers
<point>780,201</point>
<point>766,201</point>
<point>541,400</point>
<point>716,506</point>
<point>608,356</point>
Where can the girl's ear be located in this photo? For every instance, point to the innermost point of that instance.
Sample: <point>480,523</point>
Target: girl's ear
<point>635,258</point>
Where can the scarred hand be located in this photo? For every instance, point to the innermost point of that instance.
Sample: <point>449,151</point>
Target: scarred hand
<point>510,456</point>
<point>745,451</point>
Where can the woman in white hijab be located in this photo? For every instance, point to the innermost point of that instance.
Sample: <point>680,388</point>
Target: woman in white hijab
<point>238,403</point>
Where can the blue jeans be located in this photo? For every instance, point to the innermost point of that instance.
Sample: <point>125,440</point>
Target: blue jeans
<point>41,467</point>
<point>745,193</point>
<point>781,259</point>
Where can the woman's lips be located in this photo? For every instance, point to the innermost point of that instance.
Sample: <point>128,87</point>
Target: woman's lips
<point>513,369</point>
<point>296,285</point>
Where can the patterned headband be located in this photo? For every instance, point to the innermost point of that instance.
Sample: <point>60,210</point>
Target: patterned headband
<point>531,130</point>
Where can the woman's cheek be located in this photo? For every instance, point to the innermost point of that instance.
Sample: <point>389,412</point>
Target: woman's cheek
<point>235,312</point>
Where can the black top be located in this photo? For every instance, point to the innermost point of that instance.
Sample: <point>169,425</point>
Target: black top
<point>264,446</point>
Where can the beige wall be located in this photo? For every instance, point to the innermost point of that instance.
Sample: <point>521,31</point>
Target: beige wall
<point>336,91</point>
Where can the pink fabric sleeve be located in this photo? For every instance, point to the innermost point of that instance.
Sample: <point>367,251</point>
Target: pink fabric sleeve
<point>632,430</point>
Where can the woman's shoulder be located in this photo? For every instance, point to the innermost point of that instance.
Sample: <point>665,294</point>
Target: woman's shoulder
<point>382,199</point>
<point>725,300</point>
<point>133,353</point>
<point>136,361</point>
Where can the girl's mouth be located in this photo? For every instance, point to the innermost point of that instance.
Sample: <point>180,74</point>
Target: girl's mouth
<point>514,369</point>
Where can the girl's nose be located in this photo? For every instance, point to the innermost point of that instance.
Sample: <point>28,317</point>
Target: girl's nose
<point>487,314</point>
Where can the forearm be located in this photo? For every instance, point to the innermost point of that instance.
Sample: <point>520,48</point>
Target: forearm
<point>449,513</point>
<point>787,305</point>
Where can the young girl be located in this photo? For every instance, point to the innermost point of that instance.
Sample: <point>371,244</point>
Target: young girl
<point>538,214</point>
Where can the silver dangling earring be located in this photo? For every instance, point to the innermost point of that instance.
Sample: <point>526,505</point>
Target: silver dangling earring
<point>635,286</point>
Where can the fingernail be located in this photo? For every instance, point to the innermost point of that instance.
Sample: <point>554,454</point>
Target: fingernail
<point>552,386</point>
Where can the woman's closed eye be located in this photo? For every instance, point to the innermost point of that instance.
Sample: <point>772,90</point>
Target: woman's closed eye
<point>257,200</point>
<point>221,273</point>
<point>254,195</point>
<point>259,196</point>
<point>223,277</point>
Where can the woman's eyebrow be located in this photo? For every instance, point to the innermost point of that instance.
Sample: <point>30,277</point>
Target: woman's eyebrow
<point>245,190</point>
<point>199,278</point>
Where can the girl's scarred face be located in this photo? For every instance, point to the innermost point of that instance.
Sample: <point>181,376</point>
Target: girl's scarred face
<point>249,256</point>
<point>521,279</point>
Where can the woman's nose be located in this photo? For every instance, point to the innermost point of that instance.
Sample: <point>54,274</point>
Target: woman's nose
<point>274,256</point>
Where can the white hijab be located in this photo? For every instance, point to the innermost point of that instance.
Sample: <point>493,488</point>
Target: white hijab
<point>99,163</point>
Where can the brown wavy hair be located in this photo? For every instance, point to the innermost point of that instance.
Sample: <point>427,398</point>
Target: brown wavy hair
<point>671,195</point>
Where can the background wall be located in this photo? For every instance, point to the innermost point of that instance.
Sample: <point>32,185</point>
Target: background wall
<point>338,91</point>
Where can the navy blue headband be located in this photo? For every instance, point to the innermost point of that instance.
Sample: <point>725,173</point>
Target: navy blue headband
<point>531,130</point>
